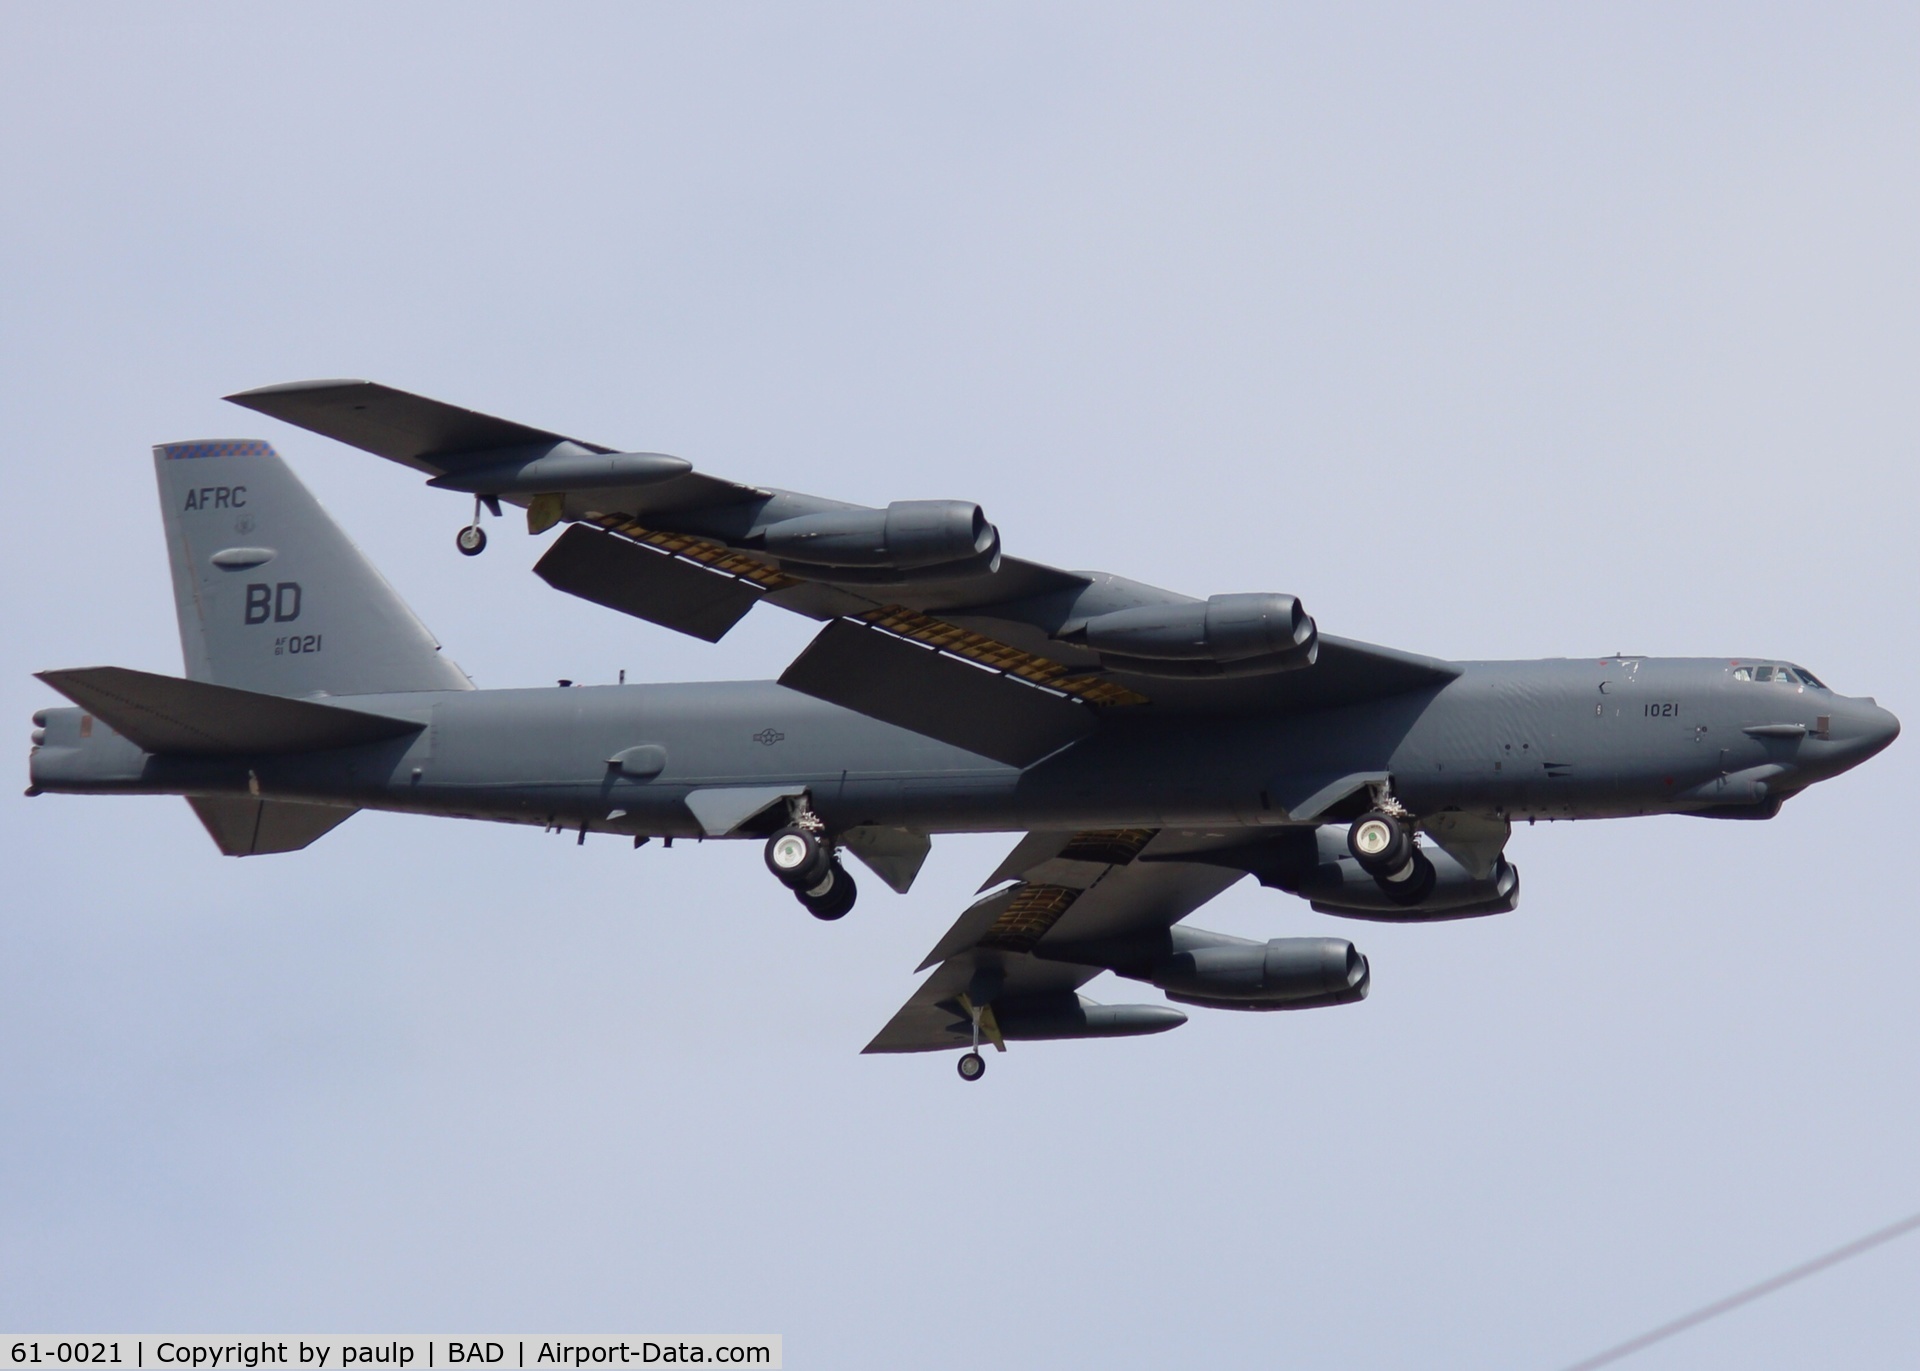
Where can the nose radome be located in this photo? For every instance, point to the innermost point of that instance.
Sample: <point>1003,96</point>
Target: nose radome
<point>1863,729</point>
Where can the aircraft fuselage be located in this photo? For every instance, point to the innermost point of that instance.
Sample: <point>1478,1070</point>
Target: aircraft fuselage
<point>1559,739</point>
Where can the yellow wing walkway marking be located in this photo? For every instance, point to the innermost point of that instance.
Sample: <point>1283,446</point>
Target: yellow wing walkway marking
<point>1035,909</point>
<point>896,619</point>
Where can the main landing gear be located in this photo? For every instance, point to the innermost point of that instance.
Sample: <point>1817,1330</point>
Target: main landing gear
<point>805,863</point>
<point>1381,842</point>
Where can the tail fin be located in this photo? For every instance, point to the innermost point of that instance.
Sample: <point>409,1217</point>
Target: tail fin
<point>272,596</point>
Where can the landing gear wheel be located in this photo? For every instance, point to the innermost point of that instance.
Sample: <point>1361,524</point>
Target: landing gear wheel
<point>798,859</point>
<point>1414,887</point>
<point>833,897</point>
<point>972,1066</point>
<point>471,540</point>
<point>1380,843</point>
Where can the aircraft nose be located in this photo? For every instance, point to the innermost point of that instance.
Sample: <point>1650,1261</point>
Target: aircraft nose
<point>1863,730</point>
<point>1879,728</point>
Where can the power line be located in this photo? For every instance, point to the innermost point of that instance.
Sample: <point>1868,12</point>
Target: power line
<point>1750,1294</point>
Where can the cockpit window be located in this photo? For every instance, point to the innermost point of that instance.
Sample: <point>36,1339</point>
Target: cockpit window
<point>1778,674</point>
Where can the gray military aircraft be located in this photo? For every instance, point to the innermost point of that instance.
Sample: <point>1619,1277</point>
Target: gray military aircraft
<point>1154,749</point>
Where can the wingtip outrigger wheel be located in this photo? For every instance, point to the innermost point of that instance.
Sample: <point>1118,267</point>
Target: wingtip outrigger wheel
<point>472,540</point>
<point>972,1065</point>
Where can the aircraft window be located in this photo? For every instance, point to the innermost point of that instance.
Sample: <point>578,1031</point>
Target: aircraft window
<point>1779,675</point>
<point>1810,678</point>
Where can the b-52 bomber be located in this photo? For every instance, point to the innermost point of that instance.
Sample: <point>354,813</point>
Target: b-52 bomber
<point>1153,749</point>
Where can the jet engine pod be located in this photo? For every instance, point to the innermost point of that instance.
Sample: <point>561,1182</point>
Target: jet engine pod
<point>908,540</point>
<point>1315,863</point>
<point>1229,635</point>
<point>1343,887</point>
<point>1286,973</point>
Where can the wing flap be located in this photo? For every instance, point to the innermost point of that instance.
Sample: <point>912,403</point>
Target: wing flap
<point>648,583</point>
<point>886,677</point>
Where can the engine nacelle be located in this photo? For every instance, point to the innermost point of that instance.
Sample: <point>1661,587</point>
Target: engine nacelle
<point>1336,884</point>
<point>1316,864</point>
<point>909,539</point>
<point>1219,972</point>
<point>1228,635</point>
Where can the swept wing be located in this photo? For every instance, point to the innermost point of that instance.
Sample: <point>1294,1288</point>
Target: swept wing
<point>930,624</point>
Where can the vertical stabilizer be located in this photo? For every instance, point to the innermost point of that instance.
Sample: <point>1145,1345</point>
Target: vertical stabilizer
<point>272,596</point>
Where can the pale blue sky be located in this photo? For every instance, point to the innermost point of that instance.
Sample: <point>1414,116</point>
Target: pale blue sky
<point>1515,332</point>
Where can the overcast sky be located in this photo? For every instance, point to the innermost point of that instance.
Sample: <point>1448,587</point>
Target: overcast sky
<point>1525,331</point>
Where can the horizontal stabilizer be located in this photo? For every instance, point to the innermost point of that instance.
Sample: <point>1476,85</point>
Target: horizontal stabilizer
<point>885,677</point>
<point>165,714</point>
<point>656,586</point>
<point>245,827</point>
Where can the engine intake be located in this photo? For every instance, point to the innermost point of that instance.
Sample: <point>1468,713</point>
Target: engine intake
<point>1228,635</point>
<point>909,539</point>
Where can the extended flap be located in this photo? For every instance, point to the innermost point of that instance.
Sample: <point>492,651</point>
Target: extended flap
<point>889,678</point>
<point>656,586</point>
